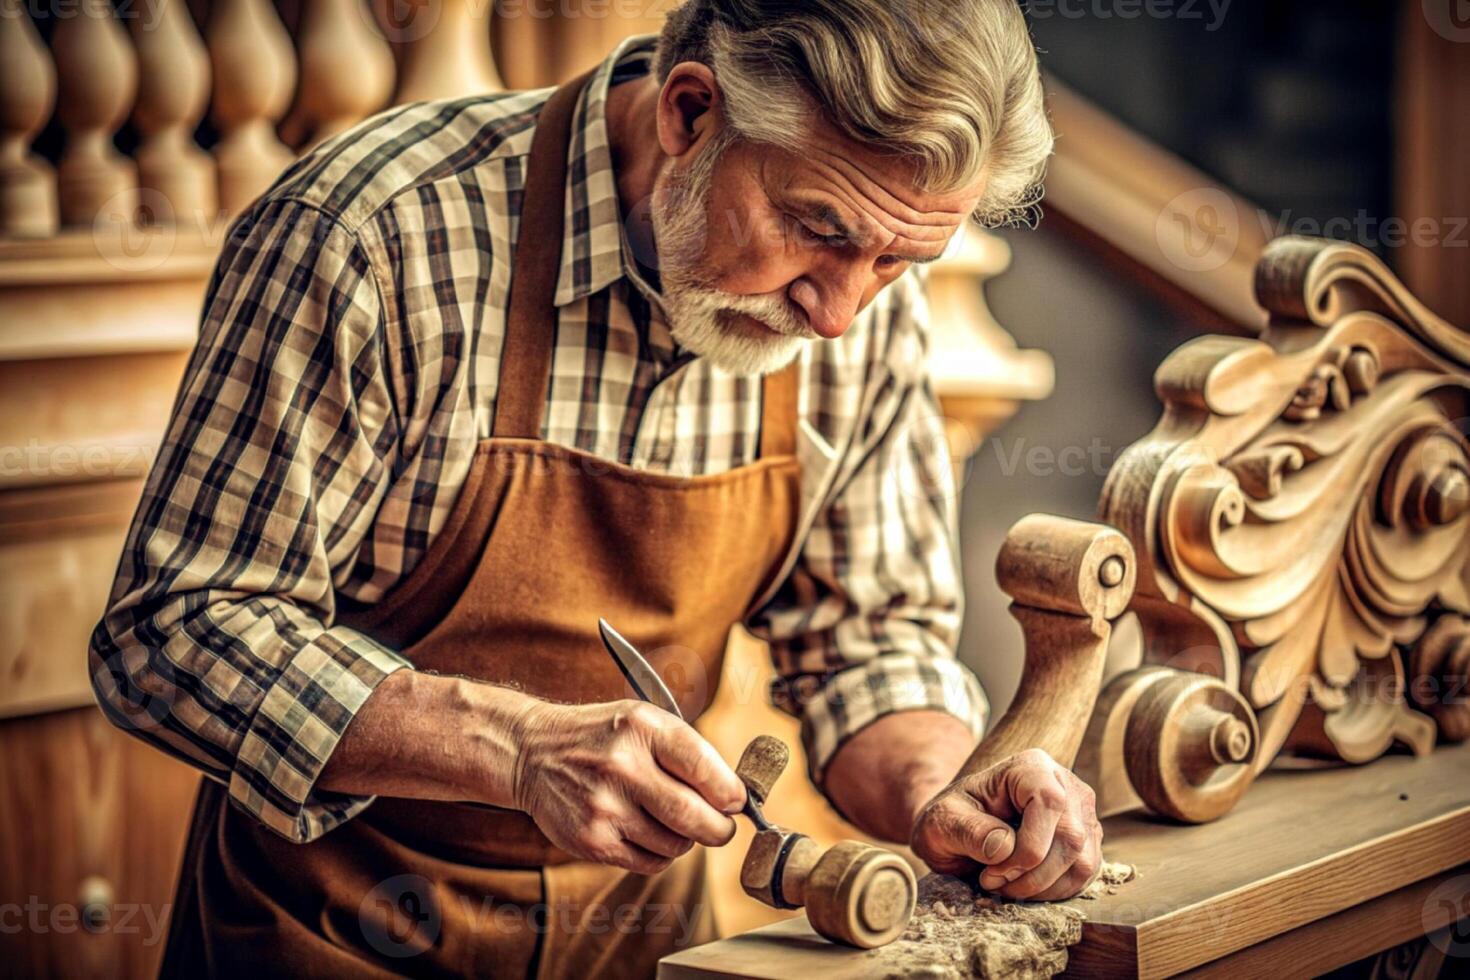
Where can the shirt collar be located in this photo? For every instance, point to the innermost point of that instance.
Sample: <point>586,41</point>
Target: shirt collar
<point>595,252</point>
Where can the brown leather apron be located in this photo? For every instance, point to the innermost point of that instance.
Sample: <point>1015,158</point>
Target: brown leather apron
<point>541,542</point>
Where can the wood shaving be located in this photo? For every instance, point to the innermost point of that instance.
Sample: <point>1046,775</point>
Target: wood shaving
<point>958,932</point>
<point>1109,880</point>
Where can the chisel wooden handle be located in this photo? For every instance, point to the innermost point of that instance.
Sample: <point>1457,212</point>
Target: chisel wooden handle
<point>853,893</point>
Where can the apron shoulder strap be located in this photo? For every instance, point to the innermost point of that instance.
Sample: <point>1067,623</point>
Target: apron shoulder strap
<point>778,411</point>
<point>530,326</point>
<point>525,357</point>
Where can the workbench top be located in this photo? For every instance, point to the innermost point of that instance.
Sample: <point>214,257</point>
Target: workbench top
<point>1312,870</point>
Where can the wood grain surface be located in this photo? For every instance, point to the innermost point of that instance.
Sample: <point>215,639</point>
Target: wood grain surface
<point>1311,870</point>
<point>1351,934</point>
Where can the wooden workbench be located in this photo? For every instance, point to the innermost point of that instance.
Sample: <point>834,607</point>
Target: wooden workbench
<point>1313,870</point>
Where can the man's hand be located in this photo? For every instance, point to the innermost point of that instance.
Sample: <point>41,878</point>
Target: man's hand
<point>623,783</point>
<point>1052,856</point>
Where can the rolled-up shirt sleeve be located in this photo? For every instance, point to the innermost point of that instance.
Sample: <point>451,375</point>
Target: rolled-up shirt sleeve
<point>214,645</point>
<point>866,623</point>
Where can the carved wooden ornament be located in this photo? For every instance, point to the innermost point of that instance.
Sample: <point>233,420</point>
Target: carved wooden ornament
<point>1299,517</point>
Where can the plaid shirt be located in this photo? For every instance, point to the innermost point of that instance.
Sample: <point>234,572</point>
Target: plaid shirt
<point>347,367</point>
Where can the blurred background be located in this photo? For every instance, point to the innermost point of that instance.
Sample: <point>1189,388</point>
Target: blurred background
<point>1190,133</point>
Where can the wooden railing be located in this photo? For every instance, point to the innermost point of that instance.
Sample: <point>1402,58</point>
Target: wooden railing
<point>1153,215</point>
<point>151,69</point>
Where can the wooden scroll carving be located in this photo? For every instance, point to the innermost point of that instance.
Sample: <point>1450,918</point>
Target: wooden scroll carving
<point>1300,518</point>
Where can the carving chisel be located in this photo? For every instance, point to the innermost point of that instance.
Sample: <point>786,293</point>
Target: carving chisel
<point>646,683</point>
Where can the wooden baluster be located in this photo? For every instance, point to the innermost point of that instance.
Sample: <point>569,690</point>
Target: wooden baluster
<point>99,78</point>
<point>1069,581</point>
<point>586,30</point>
<point>445,48</point>
<point>172,93</point>
<point>346,68</point>
<point>524,44</point>
<point>27,94</point>
<point>254,76</point>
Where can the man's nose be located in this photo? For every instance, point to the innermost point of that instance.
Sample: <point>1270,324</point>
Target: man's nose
<point>829,308</point>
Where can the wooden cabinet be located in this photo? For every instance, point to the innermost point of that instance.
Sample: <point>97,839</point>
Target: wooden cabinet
<point>92,819</point>
<point>93,823</point>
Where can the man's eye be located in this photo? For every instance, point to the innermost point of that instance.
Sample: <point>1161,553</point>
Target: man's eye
<point>816,236</point>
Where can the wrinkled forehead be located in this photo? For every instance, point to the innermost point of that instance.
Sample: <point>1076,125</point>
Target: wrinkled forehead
<point>884,186</point>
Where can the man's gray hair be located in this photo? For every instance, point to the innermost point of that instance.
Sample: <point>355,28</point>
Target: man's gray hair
<point>952,85</point>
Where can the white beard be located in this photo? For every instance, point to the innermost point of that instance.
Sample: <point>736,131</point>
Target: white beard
<point>702,319</point>
<point>702,322</point>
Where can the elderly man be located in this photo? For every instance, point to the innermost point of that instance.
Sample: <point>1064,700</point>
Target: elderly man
<point>472,375</point>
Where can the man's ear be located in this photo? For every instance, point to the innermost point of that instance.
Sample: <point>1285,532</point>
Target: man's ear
<point>689,108</point>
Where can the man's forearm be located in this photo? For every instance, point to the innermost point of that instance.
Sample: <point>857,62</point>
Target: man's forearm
<point>430,737</point>
<point>881,777</point>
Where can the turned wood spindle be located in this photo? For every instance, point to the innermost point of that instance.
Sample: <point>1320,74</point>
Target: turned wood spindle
<point>27,95</point>
<point>99,78</point>
<point>537,48</point>
<point>176,179</point>
<point>524,47</point>
<point>254,76</point>
<point>444,47</point>
<point>1069,580</point>
<point>346,69</point>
